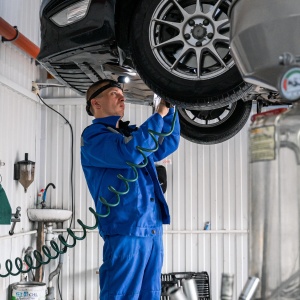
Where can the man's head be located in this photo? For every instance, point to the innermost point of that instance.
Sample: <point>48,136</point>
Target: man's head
<point>105,98</point>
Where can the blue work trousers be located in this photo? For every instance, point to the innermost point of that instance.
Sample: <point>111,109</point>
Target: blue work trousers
<point>131,268</point>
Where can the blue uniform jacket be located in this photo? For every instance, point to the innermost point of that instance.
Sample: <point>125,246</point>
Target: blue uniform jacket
<point>104,153</point>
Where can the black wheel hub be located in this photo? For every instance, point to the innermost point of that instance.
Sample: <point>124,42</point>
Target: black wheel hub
<point>199,32</point>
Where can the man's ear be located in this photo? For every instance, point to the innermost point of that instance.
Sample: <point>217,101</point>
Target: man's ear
<point>95,103</point>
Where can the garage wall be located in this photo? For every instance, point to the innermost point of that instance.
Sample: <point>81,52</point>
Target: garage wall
<point>20,119</point>
<point>205,183</point>
<point>209,183</point>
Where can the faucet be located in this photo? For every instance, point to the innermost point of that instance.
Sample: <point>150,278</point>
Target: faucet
<point>15,218</point>
<point>44,194</point>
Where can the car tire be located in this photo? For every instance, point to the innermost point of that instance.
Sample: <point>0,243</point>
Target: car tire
<point>215,84</point>
<point>214,126</point>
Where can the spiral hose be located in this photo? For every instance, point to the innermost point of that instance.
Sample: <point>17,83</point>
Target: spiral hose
<point>55,247</point>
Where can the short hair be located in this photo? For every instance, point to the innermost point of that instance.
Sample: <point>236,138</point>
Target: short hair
<point>94,90</point>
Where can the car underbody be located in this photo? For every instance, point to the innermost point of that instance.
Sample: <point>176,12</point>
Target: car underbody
<point>178,50</point>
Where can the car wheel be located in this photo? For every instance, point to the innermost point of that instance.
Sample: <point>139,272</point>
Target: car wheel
<point>214,126</point>
<point>181,50</point>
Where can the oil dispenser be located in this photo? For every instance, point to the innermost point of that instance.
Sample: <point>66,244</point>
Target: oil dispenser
<point>274,140</point>
<point>264,44</point>
<point>24,172</point>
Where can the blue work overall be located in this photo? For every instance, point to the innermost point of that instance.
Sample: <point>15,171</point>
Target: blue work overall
<point>132,232</point>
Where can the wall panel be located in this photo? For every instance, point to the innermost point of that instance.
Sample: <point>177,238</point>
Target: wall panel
<point>205,183</point>
<point>20,120</point>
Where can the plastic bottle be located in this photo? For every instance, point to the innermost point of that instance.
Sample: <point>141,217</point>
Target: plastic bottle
<point>207,226</point>
<point>40,197</point>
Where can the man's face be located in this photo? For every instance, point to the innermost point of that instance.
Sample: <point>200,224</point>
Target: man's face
<point>109,103</point>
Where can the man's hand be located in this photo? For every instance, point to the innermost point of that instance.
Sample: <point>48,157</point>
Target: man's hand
<point>162,109</point>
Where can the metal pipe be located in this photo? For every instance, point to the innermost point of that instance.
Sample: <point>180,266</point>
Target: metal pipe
<point>18,235</point>
<point>12,229</point>
<point>227,282</point>
<point>16,88</point>
<point>40,241</point>
<point>206,231</point>
<point>172,231</point>
<point>75,230</point>
<point>190,289</point>
<point>249,289</point>
<point>12,34</point>
<point>45,194</point>
<point>176,293</point>
<point>57,270</point>
<point>15,218</point>
<point>50,295</point>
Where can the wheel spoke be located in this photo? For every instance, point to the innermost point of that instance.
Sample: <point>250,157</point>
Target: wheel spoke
<point>216,55</point>
<point>175,25</point>
<point>183,52</point>
<point>221,24</point>
<point>212,12</point>
<point>199,114</point>
<point>218,36</point>
<point>174,40</point>
<point>198,8</point>
<point>198,61</point>
<point>221,38</point>
<point>183,12</point>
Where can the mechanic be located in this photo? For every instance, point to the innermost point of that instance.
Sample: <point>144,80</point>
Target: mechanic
<point>132,231</point>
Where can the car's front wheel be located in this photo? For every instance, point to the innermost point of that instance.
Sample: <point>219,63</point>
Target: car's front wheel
<point>214,126</point>
<point>181,50</point>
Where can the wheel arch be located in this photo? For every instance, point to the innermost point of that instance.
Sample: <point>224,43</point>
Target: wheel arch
<point>124,12</point>
<point>219,133</point>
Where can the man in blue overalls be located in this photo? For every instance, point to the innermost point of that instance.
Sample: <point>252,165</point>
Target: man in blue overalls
<point>132,230</point>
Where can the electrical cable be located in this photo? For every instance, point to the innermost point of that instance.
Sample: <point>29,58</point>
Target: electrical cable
<point>72,153</point>
<point>46,251</point>
<point>71,174</point>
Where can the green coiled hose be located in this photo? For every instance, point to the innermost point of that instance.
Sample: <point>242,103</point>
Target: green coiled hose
<point>47,251</point>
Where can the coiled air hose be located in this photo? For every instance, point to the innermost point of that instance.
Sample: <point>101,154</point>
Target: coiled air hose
<point>47,251</point>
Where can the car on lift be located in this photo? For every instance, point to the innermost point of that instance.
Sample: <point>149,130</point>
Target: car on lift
<point>176,49</point>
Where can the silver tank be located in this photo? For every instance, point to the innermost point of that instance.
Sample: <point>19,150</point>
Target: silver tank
<point>274,203</point>
<point>264,35</point>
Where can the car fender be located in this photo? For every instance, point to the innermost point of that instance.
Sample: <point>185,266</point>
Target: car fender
<point>100,29</point>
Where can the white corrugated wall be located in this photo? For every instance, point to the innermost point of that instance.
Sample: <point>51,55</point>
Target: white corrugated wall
<point>19,129</point>
<point>205,183</point>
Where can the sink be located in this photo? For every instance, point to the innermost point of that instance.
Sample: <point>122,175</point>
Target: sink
<point>48,214</point>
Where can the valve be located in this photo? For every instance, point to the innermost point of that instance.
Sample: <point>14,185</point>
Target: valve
<point>15,218</point>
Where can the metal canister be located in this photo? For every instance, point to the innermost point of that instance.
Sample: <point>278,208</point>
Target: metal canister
<point>190,289</point>
<point>249,289</point>
<point>227,286</point>
<point>176,293</point>
<point>28,290</point>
